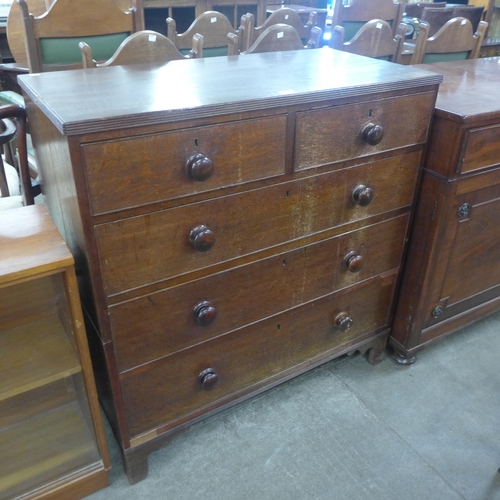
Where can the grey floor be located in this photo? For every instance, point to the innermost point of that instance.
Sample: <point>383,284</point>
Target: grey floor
<point>347,430</point>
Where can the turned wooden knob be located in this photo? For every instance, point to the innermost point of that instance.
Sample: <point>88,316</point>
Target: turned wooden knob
<point>343,321</point>
<point>202,238</point>
<point>362,195</point>
<point>208,379</point>
<point>372,133</point>
<point>354,261</point>
<point>204,313</point>
<point>199,167</point>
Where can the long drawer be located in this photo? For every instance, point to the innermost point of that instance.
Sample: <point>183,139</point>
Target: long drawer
<point>151,248</point>
<point>164,322</point>
<point>167,389</point>
<point>141,170</point>
<point>339,133</point>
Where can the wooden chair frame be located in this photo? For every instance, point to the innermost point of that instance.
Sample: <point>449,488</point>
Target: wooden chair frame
<point>455,37</point>
<point>277,38</point>
<point>67,19</point>
<point>250,32</point>
<point>212,25</point>
<point>374,39</point>
<point>362,11</point>
<point>17,115</point>
<point>143,47</point>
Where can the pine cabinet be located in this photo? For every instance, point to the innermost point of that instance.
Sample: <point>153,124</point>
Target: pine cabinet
<point>52,444</point>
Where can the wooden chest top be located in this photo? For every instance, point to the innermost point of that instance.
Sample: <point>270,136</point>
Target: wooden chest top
<point>100,99</point>
<point>468,93</point>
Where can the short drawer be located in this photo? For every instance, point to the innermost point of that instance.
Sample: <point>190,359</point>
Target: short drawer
<point>168,389</point>
<point>340,133</point>
<point>155,247</point>
<point>164,322</point>
<point>481,149</point>
<point>140,170</point>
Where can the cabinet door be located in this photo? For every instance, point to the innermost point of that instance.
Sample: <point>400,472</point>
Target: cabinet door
<point>474,264</point>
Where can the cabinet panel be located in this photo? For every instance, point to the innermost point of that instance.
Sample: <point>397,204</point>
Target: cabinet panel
<point>152,248</point>
<point>474,265</point>
<point>44,448</point>
<point>482,148</point>
<point>164,322</point>
<point>138,170</point>
<point>163,391</point>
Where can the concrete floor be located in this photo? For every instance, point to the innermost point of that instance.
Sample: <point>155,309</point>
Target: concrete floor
<point>347,431</point>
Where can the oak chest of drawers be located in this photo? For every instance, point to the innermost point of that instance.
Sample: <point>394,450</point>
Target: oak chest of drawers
<point>237,221</point>
<point>452,274</point>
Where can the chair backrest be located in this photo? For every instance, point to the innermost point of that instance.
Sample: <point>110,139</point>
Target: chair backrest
<point>250,32</point>
<point>470,12</point>
<point>354,15</point>
<point>416,9</point>
<point>436,18</point>
<point>142,47</point>
<point>454,41</point>
<point>374,39</point>
<point>212,25</point>
<point>277,38</point>
<point>52,38</point>
<point>13,118</point>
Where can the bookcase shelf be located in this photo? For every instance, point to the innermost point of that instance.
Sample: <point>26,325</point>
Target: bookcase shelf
<point>50,356</point>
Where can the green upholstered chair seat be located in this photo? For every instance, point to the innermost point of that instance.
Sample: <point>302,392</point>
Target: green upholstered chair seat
<point>66,50</point>
<point>210,52</point>
<point>451,56</point>
<point>352,27</point>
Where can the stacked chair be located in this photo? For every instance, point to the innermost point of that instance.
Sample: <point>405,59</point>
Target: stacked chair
<point>249,32</point>
<point>212,25</point>
<point>374,39</point>
<point>52,38</point>
<point>146,47</point>
<point>456,40</point>
<point>354,15</point>
<point>276,38</point>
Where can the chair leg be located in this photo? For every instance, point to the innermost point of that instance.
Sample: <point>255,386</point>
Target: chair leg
<point>4,187</point>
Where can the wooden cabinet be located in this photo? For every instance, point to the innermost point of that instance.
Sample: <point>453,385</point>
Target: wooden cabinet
<point>235,231</point>
<point>452,274</point>
<point>52,443</point>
